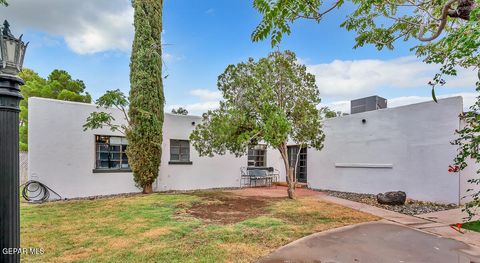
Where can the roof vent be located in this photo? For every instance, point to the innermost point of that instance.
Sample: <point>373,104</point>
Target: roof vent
<point>367,104</point>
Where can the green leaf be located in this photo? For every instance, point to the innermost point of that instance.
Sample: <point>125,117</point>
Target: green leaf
<point>433,95</point>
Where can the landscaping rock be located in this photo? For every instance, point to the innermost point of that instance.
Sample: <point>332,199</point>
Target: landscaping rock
<point>411,207</point>
<point>392,198</point>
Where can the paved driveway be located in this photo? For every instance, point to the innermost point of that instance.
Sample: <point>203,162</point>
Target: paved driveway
<point>380,242</point>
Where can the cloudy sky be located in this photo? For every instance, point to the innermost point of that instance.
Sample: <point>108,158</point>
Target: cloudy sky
<point>92,39</point>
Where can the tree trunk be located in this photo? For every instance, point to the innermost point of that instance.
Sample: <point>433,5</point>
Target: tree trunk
<point>148,189</point>
<point>291,183</point>
<point>288,170</point>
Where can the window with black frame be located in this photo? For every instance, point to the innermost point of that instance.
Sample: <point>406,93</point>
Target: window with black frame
<point>111,153</point>
<point>180,152</point>
<point>257,155</point>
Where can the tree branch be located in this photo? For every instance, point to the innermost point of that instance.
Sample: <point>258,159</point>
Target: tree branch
<point>318,15</point>
<point>443,22</point>
<point>125,114</point>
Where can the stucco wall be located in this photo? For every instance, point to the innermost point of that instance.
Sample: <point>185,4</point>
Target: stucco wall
<point>405,148</point>
<point>62,155</point>
<point>205,172</point>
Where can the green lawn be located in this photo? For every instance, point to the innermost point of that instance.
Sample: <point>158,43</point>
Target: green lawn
<point>193,227</point>
<point>474,226</point>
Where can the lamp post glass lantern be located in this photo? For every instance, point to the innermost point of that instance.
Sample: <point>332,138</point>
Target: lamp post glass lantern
<point>12,53</point>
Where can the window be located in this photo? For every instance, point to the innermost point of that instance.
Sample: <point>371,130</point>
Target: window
<point>179,152</point>
<point>257,156</point>
<point>111,153</point>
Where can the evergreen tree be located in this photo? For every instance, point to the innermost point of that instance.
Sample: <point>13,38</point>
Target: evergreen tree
<point>146,94</point>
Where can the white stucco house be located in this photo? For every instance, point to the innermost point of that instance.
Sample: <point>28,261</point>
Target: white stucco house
<point>405,148</point>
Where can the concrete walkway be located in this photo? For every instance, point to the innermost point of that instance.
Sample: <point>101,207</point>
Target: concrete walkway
<point>437,223</point>
<point>380,241</point>
<point>396,238</point>
<point>452,216</point>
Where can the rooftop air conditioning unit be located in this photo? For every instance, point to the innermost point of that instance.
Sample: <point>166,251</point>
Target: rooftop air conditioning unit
<point>367,104</point>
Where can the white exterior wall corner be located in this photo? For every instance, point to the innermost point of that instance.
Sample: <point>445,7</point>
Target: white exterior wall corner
<point>413,139</point>
<point>62,155</point>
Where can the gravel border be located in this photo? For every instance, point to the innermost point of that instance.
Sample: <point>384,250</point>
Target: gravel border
<point>411,207</point>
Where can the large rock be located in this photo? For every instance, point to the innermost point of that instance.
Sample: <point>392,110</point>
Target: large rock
<point>392,198</point>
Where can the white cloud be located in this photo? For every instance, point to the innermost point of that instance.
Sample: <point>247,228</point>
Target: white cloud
<point>356,78</point>
<point>342,106</point>
<point>207,100</point>
<point>303,61</point>
<point>347,78</point>
<point>87,26</point>
<point>206,95</point>
<point>466,78</point>
<point>197,108</point>
<point>168,57</point>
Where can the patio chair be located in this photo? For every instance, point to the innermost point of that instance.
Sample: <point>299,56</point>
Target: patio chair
<point>274,173</point>
<point>244,178</point>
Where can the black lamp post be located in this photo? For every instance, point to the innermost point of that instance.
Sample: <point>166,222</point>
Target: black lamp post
<point>12,52</point>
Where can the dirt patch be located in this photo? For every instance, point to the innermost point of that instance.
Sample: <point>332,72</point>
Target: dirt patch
<point>274,191</point>
<point>230,209</point>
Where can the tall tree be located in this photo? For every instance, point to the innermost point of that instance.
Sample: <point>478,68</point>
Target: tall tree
<point>146,94</point>
<point>58,85</point>
<point>447,33</point>
<point>273,100</point>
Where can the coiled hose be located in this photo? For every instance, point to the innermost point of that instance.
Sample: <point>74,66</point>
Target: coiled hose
<point>36,192</point>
